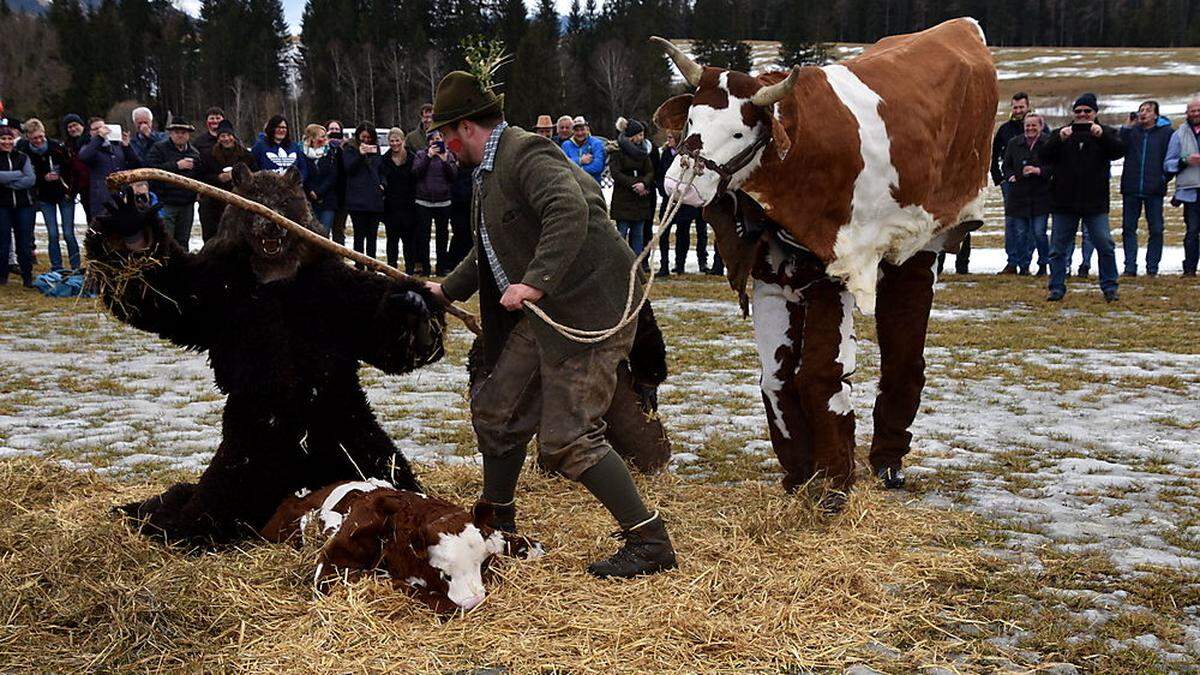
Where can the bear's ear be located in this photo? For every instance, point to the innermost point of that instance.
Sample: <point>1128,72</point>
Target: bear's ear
<point>292,175</point>
<point>672,114</point>
<point>241,174</point>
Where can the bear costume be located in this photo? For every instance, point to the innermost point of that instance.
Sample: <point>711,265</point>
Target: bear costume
<point>285,325</point>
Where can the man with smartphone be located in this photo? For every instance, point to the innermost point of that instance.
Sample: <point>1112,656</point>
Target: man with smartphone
<point>1080,154</point>
<point>177,155</point>
<point>104,155</point>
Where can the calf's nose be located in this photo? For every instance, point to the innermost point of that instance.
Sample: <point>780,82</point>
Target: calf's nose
<point>471,602</point>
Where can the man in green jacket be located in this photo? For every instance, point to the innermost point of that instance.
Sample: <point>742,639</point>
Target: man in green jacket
<point>542,234</point>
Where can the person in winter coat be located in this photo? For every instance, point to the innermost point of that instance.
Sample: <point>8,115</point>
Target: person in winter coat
<point>176,155</point>
<point>216,168</point>
<point>1012,128</point>
<point>633,183</point>
<point>461,239</point>
<point>584,149</point>
<point>321,184</point>
<point>144,136</point>
<point>1081,154</point>
<point>210,209</point>
<point>1027,207</point>
<point>399,201</point>
<point>1144,185</point>
<point>435,169</point>
<point>104,157</point>
<point>74,138</point>
<point>17,179</point>
<point>333,130</point>
<point>276,151</point>
<point>51,163</point>
<point>364,192</point>
<point>682,222</point>
<point>1183,163</point>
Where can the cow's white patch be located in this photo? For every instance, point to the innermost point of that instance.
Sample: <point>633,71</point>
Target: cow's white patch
<point>840,403</point>
<point>982,37</point>
<point>317,576</point>
<point>331,520</point>
<point>772,319</point>
<point>724,135</point>
<point>415,582</point>
<point>879,227</point>
<point>459,557</point>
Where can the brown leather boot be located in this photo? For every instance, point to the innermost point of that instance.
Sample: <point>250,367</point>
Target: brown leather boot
<point>647,550</point>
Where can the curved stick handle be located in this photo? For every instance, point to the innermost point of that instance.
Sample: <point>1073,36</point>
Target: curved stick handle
<point>120,178</point>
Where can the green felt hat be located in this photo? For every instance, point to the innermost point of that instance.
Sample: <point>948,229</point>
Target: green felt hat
<point>460,96</point>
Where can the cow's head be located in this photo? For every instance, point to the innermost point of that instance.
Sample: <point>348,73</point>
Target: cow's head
<point>726,125</point>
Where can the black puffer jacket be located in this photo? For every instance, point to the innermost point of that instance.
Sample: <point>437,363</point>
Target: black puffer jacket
<point>1029,195</point>
<point>1081,170</point>
<point>56,159</point>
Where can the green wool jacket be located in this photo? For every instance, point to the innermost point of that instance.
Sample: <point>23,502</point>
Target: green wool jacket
<point>549,226</point>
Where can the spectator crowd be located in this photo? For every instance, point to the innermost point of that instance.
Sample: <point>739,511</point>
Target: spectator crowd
<point>1054,183</point>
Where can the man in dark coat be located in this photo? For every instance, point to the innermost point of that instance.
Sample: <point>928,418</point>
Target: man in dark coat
<point>176,155</point>
<point>102,158</point>
<point>1081,154</point>
<point>210,209</point>
<point>1012,128</point>
<point>1144,185</point>
<point>1027,206</point>
<point>542,235</point>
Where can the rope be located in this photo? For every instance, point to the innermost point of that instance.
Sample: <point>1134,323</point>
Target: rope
<point>630,313</point>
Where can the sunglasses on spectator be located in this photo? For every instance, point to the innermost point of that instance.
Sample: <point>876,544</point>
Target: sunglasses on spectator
<point>1083,111</point>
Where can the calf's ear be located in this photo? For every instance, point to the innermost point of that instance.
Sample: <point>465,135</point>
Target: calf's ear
<point>482,514</point>
<point>672,114</point>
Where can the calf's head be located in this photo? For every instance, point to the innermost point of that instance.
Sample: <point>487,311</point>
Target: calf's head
<point>726,125</point>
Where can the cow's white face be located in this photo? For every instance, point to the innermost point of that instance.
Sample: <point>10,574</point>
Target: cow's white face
<point>722,120</point>
<point>459,558</point>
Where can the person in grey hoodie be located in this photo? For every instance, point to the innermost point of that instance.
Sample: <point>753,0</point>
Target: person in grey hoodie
<point>17,179</point>
<point>1183,162</point>
<point>1144,185</point>
<point>435,169</point>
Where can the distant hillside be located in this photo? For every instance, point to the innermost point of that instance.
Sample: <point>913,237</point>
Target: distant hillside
<point>40,6</point>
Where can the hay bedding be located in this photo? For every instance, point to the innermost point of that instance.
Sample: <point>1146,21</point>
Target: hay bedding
<point>764,584</point>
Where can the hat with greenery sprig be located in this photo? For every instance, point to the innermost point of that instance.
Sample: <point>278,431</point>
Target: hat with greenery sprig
<point>468,95</point>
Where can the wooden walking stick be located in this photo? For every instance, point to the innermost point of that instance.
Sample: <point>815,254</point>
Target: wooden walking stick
<point>120,178</point>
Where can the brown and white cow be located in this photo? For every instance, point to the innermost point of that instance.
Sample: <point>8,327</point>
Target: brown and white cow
<point>432,549</point>
<point>864,170</point>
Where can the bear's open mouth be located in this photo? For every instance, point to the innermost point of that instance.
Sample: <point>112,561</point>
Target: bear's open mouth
<point>271,246</point>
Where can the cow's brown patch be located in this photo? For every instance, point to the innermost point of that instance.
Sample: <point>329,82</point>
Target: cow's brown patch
<point>938,113</point>
<point>808,192</point>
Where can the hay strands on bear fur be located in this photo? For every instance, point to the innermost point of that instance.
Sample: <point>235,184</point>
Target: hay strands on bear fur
<point>121,178</point>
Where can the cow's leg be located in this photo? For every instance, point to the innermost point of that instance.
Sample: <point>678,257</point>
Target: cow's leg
<point>827,360</point>
<point>901,322</point>
<point>778,324</point>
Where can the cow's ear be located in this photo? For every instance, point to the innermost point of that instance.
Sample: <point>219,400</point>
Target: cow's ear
<point>672,114</point>
<point>241,174</point>
<point>482,514</point>
<point>779,136</point>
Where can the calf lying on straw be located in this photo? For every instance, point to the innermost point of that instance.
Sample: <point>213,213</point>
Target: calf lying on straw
<point>430,548</point>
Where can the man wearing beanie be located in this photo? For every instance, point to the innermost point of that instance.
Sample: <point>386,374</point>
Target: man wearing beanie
<point>1080,154</point>
<point>542,235</point>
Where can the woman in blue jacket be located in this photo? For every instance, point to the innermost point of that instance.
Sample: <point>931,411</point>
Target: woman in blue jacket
<point>276,151</point>
<point>320,185</point>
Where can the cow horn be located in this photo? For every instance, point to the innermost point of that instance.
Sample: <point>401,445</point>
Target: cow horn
<point>773,93</point>
<point>690,69</point>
